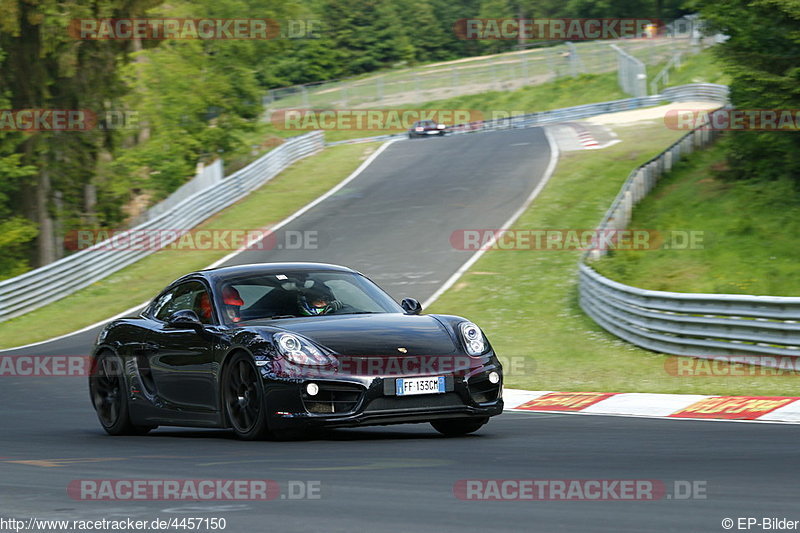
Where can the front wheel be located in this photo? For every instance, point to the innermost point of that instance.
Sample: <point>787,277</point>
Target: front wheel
<point>458,427</point>
<point>243,398</point>
<point>108,392</point>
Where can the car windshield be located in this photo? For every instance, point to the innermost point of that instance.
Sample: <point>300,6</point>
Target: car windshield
<point>301,293</point>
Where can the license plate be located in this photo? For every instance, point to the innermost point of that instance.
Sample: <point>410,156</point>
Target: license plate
<point>410,386</point>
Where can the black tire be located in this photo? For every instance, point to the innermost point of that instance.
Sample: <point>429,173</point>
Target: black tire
<point>457,427</point>
<point>243,398</point>
<point>108,391</point>
<point>410,136</point>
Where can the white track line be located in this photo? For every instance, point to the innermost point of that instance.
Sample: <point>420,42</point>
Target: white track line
<point>551,166</point>
<point>311,204</point>
<point>126,312</point>
<point>279,225</point>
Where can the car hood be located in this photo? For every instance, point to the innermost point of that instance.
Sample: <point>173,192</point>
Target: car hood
<point>376,334</point>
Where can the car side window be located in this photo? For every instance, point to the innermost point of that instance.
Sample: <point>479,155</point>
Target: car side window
<point>191,295</point>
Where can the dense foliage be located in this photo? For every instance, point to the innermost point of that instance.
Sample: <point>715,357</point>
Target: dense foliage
<point>762,58</point>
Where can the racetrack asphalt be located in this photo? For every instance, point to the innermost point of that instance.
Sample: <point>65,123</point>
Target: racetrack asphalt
<point>393,223</point>
<point>400,478</point>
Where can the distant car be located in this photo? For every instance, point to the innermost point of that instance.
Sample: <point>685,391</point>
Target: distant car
<point>424,128</point>
<point>268,349</point>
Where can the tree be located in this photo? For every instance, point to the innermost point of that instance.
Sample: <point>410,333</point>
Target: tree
<point>760,56</point>
<point>45,68</point>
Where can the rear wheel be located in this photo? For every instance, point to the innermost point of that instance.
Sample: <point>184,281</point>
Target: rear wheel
<point>109,397</point>
<point>243,398</point>
<point>457,427</point>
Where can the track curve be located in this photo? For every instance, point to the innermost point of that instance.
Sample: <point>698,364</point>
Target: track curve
<point>393,222</point>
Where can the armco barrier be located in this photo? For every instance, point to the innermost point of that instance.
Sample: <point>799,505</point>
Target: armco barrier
<point>700,325</point>
<point>51,282</point>
<point>692,92</point>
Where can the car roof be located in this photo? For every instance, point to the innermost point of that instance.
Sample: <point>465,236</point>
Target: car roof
<point>221,273</point>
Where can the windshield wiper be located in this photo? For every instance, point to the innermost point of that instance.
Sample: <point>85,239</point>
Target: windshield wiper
<point>276,317</point>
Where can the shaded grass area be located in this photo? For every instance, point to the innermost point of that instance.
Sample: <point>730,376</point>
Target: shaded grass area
<point>527,301</point>
<point>748,239</point>
<point>293,188</point>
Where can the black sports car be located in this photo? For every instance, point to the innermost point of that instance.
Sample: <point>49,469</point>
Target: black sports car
<point>424,128</point>
<point>269,349</point>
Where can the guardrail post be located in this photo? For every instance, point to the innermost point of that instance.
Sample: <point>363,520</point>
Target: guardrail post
<point>646,182</point>
<point>628,208</point>
<point>642,187</point>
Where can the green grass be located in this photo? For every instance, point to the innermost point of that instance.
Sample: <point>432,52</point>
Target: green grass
<point>750,233</point>
<point>527,303</point>
<point>301,183</point>
<point>698,68</point>
<point>566,92</point>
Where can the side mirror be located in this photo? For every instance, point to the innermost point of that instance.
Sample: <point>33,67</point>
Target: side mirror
<point>411,306</point>
<point>184,319</point>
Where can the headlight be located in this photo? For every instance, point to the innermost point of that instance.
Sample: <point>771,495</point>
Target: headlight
<point>299,350</point>
<point>474,341</point>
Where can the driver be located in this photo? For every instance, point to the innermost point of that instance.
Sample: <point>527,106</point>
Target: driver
<point>317,300</point>
<point>233,303</point>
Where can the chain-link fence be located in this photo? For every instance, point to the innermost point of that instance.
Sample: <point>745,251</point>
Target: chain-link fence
<point>631,73</point>
<point>502,72</point>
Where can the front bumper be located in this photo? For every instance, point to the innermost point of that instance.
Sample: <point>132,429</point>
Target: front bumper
<point>352,401</point>
<point>427,132</point>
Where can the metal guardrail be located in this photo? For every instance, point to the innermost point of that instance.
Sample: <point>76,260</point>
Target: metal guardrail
<point>699,325</point>
<point>681,93</point>
<point>56,280</point>
<point>206,176</point>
